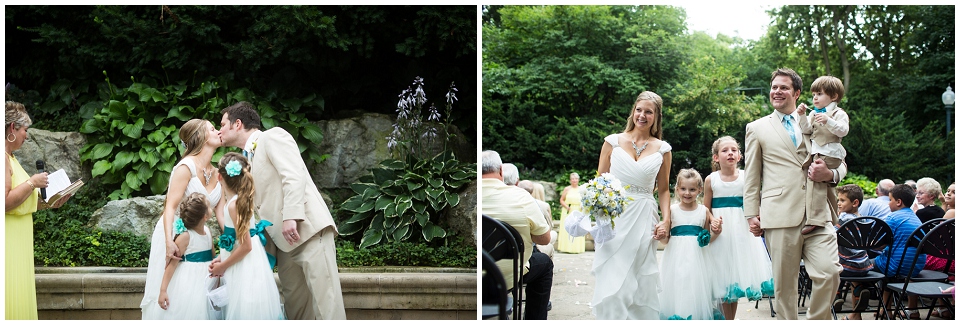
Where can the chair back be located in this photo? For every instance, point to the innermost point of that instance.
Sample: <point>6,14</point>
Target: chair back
<point>502,241</point>
<point>865,233</point>
<point>494,289</point>
<point>938,242</point>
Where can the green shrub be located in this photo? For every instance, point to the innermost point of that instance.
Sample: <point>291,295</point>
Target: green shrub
<point>62,237</point>
<point>454,254</point>
<point>133,135</point>
<point>869,187</point>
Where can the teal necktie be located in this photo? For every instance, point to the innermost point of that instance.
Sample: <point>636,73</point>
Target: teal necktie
<point>789,125</point>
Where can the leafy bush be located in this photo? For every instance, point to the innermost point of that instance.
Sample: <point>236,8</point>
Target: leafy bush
<point>133,134</point>
<point>456,254</point>
<point>62,237</point>
<point>400,199</point>
<point>869,187</point>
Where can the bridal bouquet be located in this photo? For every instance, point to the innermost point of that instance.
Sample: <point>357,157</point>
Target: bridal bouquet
<point>603,199</point>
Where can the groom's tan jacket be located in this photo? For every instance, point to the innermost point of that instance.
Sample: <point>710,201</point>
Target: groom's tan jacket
<point>276,161</point>
<point>775,180</point>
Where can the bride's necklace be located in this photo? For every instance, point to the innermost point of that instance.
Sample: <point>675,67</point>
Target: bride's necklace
<point>207,175</point>
<point>640,149</point>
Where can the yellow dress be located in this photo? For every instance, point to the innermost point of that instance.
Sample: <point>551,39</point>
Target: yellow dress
<point>21,292</point>
<point>563,241</point>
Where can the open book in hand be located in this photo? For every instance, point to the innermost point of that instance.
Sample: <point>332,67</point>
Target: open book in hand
<point>59,185</point>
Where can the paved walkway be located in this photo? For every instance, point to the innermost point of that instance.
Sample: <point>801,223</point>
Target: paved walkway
<point>573,290</point>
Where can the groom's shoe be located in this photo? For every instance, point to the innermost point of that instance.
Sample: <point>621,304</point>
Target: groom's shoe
<point>549,305</point>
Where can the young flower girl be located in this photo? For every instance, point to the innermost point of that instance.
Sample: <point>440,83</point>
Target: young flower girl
<point>183,292</point>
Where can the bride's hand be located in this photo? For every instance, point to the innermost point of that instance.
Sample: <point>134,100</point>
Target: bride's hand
<point>173,252</point>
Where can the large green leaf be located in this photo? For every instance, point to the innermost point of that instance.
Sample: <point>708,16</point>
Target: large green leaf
<point>392,164</point>
<point>122,159</point>
<point>133,130</point>
<point>422,218</point>
<point>435,192</point>
<point>353,203</point>
<point>452,199</point>
<point>371,237</point>
<point>401,233</point>
<point>431,231</point>
<point>312,133</point>
<point>359,188</point>
<point>382,202</point>
<point>101,150</point>
<point>382,176</point>
<point>100,167</point>
<point>132,181</point>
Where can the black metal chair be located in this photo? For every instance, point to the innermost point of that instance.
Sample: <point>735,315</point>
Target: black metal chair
<point>914,240</point>
<point>863,233</point>
<point>499,241</point>
<point>494,290</point>
<point>938,242</point>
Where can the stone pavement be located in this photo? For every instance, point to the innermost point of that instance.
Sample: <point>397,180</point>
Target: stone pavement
<point>573,290</point>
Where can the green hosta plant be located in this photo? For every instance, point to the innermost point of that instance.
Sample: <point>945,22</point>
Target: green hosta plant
<point>398,200</point>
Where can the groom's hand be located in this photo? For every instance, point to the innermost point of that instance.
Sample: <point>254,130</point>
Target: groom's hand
<point>755,226</point>
<point>290,231</point>
<point>818,172</point>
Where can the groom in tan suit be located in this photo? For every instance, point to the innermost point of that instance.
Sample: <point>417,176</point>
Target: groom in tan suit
<point>780,198</point>
<point>303,229</point>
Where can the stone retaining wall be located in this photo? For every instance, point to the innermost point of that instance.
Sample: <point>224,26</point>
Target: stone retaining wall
<point>115,293</point>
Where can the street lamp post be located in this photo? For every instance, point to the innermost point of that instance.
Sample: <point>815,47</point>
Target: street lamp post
<point>948,99</point>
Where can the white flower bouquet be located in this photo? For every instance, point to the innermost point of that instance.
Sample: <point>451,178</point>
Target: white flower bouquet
<point>603,199</point>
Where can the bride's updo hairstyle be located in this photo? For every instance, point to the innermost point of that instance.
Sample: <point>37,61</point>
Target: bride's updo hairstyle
<point>656,130</point>
<point>193,136</point>
<point>689,174</point>
<point>235,172</point>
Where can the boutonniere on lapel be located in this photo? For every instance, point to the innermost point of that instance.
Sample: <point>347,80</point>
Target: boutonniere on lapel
<point>249,154</point>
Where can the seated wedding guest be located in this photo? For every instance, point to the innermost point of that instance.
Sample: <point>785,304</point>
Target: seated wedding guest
<point>514,206</point>
<point>879,206</point>
<point>928,190</point>
<point>855,262</point>
<point>511,175</point>
<point>903,222</point>
<point>545,209</point>
<point>936,263</point>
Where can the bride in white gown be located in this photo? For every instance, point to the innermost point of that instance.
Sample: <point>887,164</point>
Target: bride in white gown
<point>200,140</point>
<point>625,267</point>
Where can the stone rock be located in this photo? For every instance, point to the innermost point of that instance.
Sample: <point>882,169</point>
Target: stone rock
<point>59,150</point>
<point>137,215</point>
<point>354,145</point>
<point>461,220</point>
<point>358,143</point>
<point>551,192</point>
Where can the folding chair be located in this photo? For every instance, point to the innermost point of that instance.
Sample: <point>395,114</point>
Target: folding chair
<point>495,290</point>
<point>499,241</point>
<point>937,242</point>
<point>863,233</point>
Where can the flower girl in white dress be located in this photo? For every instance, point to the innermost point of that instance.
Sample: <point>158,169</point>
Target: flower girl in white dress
<point>183,290</point>
<point>683,269</point>
<point>251,288</point>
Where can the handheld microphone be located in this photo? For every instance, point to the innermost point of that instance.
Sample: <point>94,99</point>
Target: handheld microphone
<point>40,167</point>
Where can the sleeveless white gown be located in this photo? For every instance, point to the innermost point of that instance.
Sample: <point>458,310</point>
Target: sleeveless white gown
<point>684,269</point>
<point>251,288</point>
<point>626,271</point>
<point>158,246</point>
<point>191,281</point>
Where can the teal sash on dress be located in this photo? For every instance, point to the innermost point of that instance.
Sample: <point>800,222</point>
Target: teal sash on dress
<point>227,238</point>
<point>204,256</point>
<point>727,202</point>
<point>259,231</point>
<point>703,236</point>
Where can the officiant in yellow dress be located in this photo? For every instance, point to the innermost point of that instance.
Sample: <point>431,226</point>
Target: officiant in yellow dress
<point>570,202</point>
<point>21,200</point>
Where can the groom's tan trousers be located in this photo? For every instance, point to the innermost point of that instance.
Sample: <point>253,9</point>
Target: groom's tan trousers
<point>818,249</point>
<point>310,281</point>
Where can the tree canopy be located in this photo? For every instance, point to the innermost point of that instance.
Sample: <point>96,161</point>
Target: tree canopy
<point>556,79</point>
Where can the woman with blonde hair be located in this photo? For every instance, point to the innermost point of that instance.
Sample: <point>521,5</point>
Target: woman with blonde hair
<point>193,174</point>
<point>570,202</point>
<point>21,200</point>
<point>625,267</point>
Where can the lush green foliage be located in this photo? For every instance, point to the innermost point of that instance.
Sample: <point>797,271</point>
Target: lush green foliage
<point>133,134</point>
<point>63,238</point>
<point>869,187</point>
<point>453,254</point>
<point>341,55</point>
<point>557,79</point>
<point>398,200</point>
